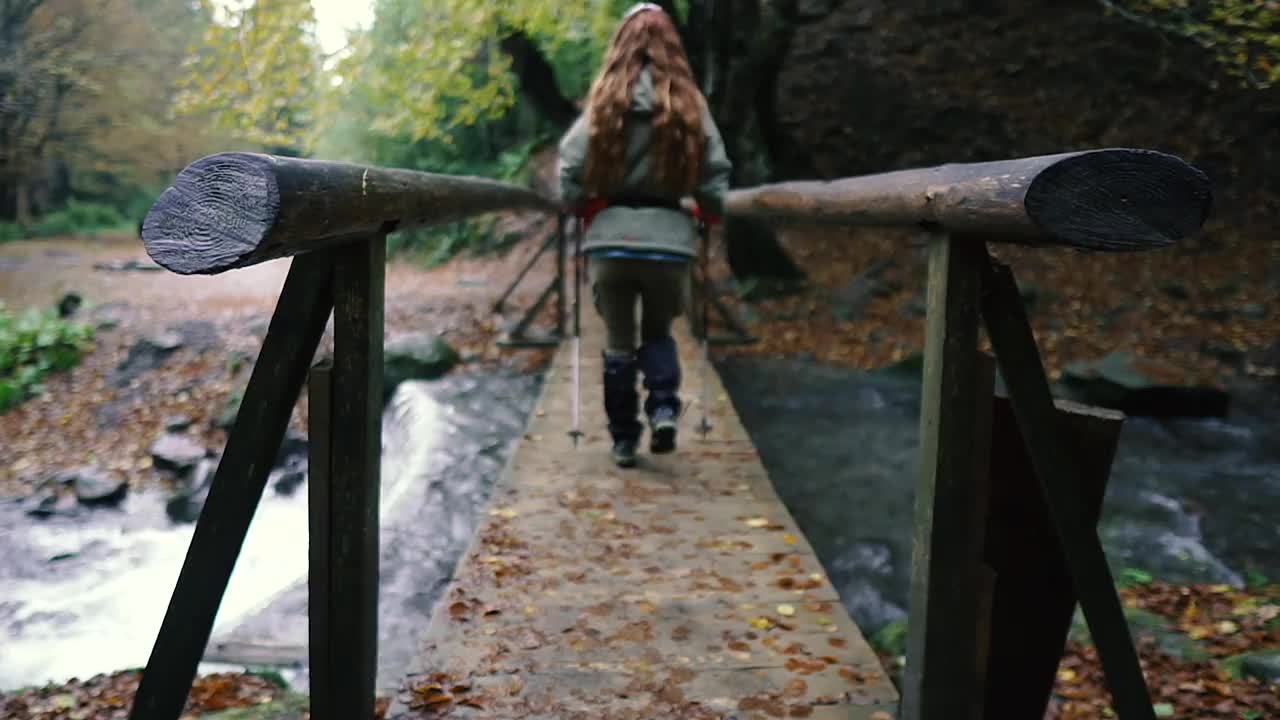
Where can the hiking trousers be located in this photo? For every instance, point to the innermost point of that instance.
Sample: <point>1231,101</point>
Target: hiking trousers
<point>661,289</point>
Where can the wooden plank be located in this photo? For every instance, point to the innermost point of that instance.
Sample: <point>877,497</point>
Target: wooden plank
<point>355,475</point>
<point>1058,472</point>
<point>320,619</point>
<point>1034,599</point>
<point>942,678</point>
<point>679,588</point>
<point>287,352</point>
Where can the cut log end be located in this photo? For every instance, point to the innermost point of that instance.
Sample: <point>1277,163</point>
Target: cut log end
<point>217,212</point>
<point>1119,200</point>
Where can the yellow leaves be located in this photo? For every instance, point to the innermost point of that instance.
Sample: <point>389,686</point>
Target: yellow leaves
<point>504,513</point>
<point>1226,627</point>
<point>790,539</point>
<point>1067,675</point>
<point>761,623</point>
<point>786,610</point>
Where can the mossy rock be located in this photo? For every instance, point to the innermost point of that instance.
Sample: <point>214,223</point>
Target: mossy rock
<point>416,356</point>
<point>1167,637</point>
<point>891,638</point>
<point>1261,664</point>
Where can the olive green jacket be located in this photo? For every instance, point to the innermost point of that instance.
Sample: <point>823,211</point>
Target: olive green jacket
<point>651,229</point>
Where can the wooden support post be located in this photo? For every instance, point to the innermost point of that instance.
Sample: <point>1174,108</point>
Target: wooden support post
<point>320,507</point>
<point>355,476</point>
<point>943,673</point>
<point>254,441</point>
<point>1033,599</point>
<point>1058,471</point>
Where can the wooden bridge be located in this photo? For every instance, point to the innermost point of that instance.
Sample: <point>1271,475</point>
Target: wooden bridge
<point>679,589</point>
<point>682,589</point>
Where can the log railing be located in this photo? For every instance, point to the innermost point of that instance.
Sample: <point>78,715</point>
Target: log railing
<point>968,589</point>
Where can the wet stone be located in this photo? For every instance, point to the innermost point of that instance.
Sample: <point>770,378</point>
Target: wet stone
<point>96,487</point>
<point>176,453</point>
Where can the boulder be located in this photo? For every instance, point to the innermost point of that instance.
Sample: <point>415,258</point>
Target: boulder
<point>1118,381</point>
<point>97,487</point>
<point>199,335</point>
<point>416,356</point>
<point>293,449</point>
<point>287,481</point>
<point>176,453</point>
<point>49,501</point>
<point>69,304</point>
<point>147,354</point>
<point>192,490</point>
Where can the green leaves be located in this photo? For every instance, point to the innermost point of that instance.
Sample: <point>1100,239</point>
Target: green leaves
<point>256,73</point>
<point>32,345</point>
<point>425,70</point>
<point>1243,35</point>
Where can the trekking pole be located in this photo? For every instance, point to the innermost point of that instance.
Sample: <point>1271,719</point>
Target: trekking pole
<point>576,432</point>
<point>704,232</point>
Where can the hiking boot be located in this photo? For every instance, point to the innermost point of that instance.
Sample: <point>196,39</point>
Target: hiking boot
<point>662,425</point>
<point>624,453</point>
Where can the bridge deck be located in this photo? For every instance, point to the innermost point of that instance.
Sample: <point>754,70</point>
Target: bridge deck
<point>679,589</point>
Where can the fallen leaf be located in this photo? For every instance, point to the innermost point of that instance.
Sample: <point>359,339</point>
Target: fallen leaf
<point>790,539</point>
<point>757,522</point>
<point>786,610</point>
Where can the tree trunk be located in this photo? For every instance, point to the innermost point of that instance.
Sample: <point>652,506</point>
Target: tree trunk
<point>538,79</point>
<point>22,204</point>
<point>748,57</point>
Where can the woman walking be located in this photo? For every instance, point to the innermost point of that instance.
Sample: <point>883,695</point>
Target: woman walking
<point>645,142</point>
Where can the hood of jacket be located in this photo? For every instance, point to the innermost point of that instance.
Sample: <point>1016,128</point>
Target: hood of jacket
<point>643,94</point>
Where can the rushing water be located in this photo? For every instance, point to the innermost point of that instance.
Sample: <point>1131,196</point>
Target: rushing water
<point>1188,500</point>
<point>86,594</point>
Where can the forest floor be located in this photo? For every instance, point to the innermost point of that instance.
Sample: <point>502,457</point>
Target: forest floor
<point>1202,313</point>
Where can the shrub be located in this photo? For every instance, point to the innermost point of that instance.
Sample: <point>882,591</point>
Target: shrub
<point>11,231</point>
<point>32,345</point>
<point>79,218</point>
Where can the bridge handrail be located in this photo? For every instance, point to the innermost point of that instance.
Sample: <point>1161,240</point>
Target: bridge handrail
<point>232,210</point>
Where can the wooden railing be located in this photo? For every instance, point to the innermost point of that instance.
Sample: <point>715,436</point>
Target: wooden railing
<point>234,210</point>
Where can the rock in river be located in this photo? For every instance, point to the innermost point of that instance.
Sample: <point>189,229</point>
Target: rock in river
<point>1118,381</point>
<point>176,453</point>
<point>415,356</point>
<point>95,486</point>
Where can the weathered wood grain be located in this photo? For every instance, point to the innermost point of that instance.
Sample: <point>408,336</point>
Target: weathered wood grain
<point>355,475</point>
<point>236,209</point>
<point>1034,600</point>
<point>943,673</point>
<point>277,378</point>
<point>1058,470</point>
<point>1112,199</point>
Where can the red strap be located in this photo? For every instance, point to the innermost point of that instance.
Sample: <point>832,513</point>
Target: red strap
<point>706,217</point>
<point>591,209</point>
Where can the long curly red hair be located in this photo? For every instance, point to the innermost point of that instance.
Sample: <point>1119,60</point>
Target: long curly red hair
<point>649,40</point>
